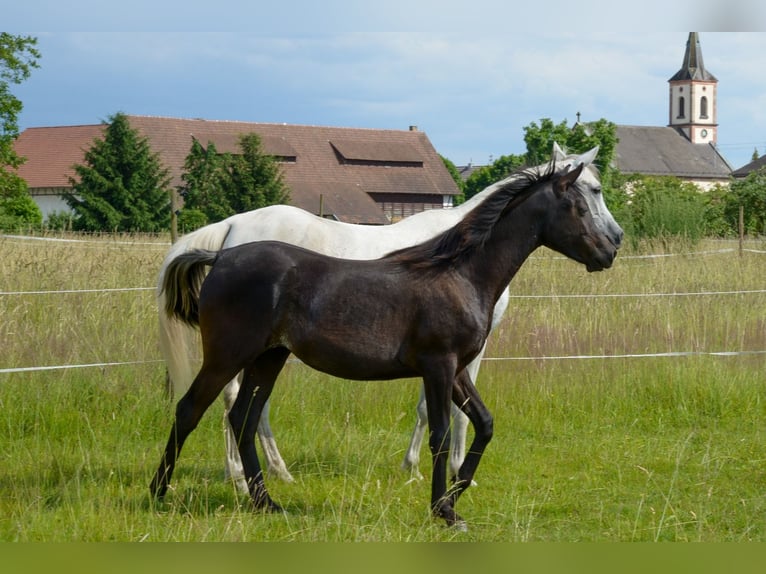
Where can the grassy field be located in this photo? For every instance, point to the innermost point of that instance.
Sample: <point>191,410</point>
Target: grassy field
<point>639,448</point>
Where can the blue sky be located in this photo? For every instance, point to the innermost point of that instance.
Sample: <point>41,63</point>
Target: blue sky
<point>471,75</point>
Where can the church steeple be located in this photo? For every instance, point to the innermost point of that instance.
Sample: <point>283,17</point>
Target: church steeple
<point>693,68</point>
<point>693,89</point>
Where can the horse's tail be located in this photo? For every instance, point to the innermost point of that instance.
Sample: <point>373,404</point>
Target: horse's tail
<point>178,341</point>
<point>182,282</point>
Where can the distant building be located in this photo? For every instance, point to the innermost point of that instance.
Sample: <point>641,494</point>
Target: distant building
<point>686,147</point>
<point>354,175</point>
<point>754,165</point>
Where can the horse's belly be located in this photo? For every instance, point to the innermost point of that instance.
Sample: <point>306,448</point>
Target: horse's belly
<point>362,368</point>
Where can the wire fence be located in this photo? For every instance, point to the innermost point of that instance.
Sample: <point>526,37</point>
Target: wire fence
<point>488,359</point>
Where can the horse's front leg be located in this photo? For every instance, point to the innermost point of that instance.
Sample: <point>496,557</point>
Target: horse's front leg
<point>466,397</point>
<point>438,386</point>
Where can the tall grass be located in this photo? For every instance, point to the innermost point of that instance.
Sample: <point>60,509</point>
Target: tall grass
<point>643,448</point>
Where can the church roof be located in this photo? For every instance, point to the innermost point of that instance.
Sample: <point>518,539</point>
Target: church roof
<point>661,151</point>
<point>693,67</point>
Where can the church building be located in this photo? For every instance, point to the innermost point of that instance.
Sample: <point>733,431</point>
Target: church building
<point>686,147</point>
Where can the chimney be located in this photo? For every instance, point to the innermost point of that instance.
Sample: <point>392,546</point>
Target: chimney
<point>413,128</point>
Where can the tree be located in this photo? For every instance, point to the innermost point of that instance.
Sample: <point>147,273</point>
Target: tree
<point>17,208</point>
<point>254,178</point>
<point>485,176</point>
<point>122,185</point>
<point>220,185</point>
<point>18,57</point>
<point>577,139</point>
<point>204,200</point>
<point>455,175</point>
<point>750,193</point>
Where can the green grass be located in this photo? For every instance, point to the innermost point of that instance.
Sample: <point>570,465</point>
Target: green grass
<point>641,449</point>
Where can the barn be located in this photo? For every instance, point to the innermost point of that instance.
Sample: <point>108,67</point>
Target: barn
<point>355,175</point>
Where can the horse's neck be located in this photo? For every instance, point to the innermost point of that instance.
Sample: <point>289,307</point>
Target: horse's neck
<point>509,245</point>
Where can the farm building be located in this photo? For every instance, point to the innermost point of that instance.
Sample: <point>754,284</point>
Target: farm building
<point>368,176</point>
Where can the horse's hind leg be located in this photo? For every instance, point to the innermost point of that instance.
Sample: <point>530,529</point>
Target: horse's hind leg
<point>412,455</point>
<point>234,470</point>
<point>189,410</point>
<point>275,464</point>
<point>257,384</point>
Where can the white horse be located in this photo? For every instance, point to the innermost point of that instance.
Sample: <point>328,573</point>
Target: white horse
<point>348,241</point>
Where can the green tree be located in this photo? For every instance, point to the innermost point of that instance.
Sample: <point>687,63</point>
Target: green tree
<point>254,178</point>
<point>455,174</point>
<point>219,185</point>
<point>485,176</point>
<point>17,208</point>
<point>18,56</point>
<point>204,200</point>
<point>577,139</point>
<point>750,193</point>
<point>122,185</point>
<point>540,138</point>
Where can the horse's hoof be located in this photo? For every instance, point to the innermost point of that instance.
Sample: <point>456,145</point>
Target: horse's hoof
<point>460,526</point>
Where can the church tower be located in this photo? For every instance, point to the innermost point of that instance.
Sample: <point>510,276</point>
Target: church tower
<point>693,108</point>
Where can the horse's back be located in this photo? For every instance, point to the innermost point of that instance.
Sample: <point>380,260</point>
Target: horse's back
<point>334,238</point>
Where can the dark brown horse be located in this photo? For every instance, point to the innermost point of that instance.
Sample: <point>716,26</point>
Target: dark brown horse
<point>421,311</point>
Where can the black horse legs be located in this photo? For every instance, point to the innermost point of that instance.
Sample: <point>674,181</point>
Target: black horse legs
<point>466,397</point>
<point>463,393</point>
<point>189,410</point>
<point>257,384</point>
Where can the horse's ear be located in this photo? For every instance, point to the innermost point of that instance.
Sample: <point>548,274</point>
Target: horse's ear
<point>588,157</point>
<point>558,153</point>
<point>568,178</point>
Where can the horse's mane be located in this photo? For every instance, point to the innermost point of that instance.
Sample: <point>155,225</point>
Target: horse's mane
<point>474,229</point>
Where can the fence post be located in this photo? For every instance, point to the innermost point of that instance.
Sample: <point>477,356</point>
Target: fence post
<point>741,229</point>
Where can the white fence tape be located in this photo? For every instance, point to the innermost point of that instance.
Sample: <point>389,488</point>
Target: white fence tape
<point>493,359</point>
<point>77,291</point>
<point>89,365</point>
<point>630,356</point>
<point>100,242</point>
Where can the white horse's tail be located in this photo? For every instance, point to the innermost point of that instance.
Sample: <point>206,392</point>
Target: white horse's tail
<point>178,340</point>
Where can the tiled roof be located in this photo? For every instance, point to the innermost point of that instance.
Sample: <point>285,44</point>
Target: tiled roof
<point>340,165</point>
<point>666,151</point>
<point>754,165</point>
<point>51,153</point>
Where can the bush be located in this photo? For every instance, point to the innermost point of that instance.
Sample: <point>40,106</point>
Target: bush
<point>59,221</point>
<point>191,219</point>
<point>666,207</point>
<point>17,208</point>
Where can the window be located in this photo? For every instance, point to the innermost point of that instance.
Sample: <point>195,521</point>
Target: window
<point>681,106</point>
<point>703,107</point>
